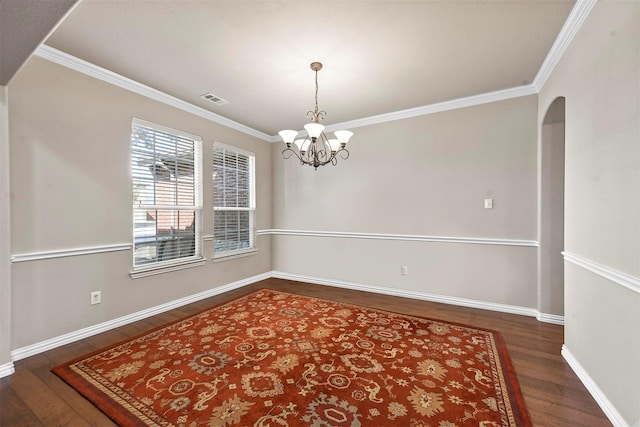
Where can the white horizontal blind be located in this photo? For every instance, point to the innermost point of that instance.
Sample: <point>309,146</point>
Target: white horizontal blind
<point>165,169</point>
<point>233,200</point>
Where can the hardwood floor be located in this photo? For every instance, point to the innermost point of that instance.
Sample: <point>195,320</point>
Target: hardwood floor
<point>554,396</point>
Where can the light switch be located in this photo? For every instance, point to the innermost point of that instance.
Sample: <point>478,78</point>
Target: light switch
<point>488,203</point>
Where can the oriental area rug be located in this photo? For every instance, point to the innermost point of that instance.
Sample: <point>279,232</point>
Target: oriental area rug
<point>278,359</point>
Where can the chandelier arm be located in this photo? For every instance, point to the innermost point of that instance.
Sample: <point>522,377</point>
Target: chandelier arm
<point>289,153</point>
<point>316,158</point>
<point>326,159</point>
<point>326,154</point>
<point>326,145</point>
<point>304,160</point>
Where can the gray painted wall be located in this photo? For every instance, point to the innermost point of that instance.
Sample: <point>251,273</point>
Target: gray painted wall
<point>71,188</point>
<point>599,76</point>
<point>5,234</point>
<point>427,175</point>
<point>551,217</point>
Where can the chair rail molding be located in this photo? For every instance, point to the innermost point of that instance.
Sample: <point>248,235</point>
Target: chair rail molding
<point>61,253</point>
<point>622,279</point>
<point>404,237</point>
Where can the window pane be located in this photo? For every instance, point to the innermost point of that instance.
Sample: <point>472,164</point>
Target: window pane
<point>232,179</point>
<point>232,185</point>
<point>164,175</point>
<point>232,230</point>
<point>164,235</point>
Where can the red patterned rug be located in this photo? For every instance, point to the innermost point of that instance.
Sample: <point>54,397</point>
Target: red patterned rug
<point>278,359</point>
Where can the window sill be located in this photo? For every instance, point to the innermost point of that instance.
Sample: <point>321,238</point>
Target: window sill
<point>152,271</point>
<point>235,254</point>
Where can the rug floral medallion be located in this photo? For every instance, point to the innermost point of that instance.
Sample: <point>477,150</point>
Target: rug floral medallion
<point>277,359</point>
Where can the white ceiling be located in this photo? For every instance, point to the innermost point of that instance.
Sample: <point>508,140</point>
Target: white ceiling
<point>378,56</point>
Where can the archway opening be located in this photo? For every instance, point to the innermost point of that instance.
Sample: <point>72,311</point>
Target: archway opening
<point>551,210</point>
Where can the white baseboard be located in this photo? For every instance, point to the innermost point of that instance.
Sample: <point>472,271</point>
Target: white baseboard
<point>512,309</point>
<point>607,407</point>
<point>61,340</point>
<point>6,369</point>
<point>550,318</point>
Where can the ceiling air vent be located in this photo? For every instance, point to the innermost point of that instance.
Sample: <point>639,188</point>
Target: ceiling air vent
<point>214,98</point>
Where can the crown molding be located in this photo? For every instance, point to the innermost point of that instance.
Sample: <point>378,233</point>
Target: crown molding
<point>571,26</point>
<point>574,21</point>
<point>82,66</point>
<point>77,64</point>
<point>439,107</point>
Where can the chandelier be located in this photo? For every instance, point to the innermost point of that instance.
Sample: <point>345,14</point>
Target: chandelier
<point>316,149</point>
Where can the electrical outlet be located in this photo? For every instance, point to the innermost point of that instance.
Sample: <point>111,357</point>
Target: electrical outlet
<point>404,270</point>
<point>96,297</point>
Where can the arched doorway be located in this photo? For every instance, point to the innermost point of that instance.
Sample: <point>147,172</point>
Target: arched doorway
<point>551,213</point>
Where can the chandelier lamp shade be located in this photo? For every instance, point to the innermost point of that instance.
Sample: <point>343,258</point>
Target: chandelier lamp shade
<point>316,149</point>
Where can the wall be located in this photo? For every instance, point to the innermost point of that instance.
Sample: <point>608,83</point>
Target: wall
<point>423,176</point>
<point>599,77</point>
<point>551,217</point>
<point>70,183</point>
<point>5,242</point>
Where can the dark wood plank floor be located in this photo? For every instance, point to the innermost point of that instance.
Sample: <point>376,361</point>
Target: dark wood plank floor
<point>554,396</point>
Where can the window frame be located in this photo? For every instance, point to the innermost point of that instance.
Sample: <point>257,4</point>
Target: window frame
<point>251,249</point>
<point>178,263</point>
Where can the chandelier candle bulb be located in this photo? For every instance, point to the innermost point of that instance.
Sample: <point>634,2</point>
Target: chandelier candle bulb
<point>316,149</point>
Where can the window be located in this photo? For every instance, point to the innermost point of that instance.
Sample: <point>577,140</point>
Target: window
<point>167,207</point>
<point>233,200</point>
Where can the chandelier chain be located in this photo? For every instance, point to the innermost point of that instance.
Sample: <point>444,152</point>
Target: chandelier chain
<point>316,93</point>
<point>316,115</point>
